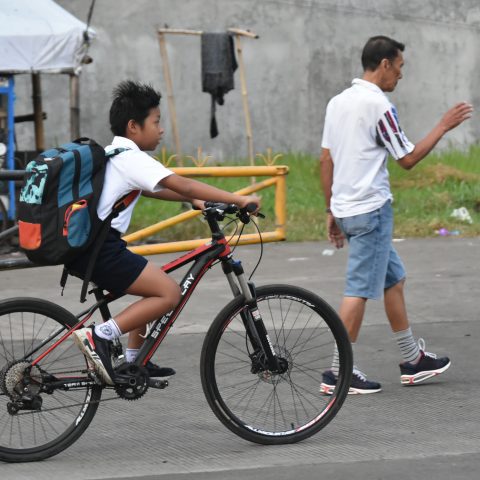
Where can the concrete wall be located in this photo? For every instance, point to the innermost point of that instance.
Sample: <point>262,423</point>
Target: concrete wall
<point>308,51</point>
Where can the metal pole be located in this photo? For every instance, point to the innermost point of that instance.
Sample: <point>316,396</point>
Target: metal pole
<point>37,111</point>
<point>170,97</point>
<point>246,111</point>
<point>74,106</point>
<point>11,146</point>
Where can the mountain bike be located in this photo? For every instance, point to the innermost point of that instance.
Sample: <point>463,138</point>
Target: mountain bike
<point>261,361</point>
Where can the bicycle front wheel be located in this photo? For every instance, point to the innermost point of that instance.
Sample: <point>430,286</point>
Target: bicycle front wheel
<point>276,408</point>
<point>48,418</point>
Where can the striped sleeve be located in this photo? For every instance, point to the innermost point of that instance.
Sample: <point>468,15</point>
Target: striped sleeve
<point>391,136</point>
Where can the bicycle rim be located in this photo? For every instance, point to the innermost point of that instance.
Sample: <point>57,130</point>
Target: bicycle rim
<point>62,415</point>
<point>272,408</point>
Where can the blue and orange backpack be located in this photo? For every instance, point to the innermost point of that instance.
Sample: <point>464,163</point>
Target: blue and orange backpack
<point>57,213</point>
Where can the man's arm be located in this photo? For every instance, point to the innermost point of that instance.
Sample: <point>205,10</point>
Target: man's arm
<point>454,117</point>
<point>326,177</point>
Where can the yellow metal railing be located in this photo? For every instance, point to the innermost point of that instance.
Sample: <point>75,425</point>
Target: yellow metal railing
<point>277,180</point>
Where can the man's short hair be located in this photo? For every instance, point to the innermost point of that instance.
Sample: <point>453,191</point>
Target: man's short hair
<point>131,101</point>
<point>377,48</point>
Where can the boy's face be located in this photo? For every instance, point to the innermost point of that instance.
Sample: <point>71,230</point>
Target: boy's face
<point>148,135</point>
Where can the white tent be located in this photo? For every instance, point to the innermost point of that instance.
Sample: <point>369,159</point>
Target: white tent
<point>39,36</point>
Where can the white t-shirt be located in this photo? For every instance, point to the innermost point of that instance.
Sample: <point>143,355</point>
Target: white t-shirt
<point>127,171</point>
<point>361,129</point>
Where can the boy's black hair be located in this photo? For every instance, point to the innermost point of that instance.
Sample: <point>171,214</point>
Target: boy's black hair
<point>131,101</point>
<point>377,48</point>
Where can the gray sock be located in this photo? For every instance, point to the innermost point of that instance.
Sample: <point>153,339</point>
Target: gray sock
<point>407,344</point>
<point>336,360</point>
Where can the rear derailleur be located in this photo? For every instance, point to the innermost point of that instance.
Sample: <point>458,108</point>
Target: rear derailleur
<point>22,383</point>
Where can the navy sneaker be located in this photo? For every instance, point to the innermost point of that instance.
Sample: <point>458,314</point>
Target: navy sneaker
<point>154,371</point>
<point>358,385</point>
<point>427,367</point>
<point>97,351</point>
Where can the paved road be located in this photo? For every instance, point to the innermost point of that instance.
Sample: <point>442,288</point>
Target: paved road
<point>428,431</point>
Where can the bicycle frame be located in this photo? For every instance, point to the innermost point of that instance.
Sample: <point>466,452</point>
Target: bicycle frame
<point>202,257</point>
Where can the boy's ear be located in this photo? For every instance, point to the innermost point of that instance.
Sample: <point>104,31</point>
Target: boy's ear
<point>132,126</point>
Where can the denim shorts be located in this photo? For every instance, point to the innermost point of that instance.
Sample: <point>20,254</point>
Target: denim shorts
<point>373,263</point>
<point>116,267</point>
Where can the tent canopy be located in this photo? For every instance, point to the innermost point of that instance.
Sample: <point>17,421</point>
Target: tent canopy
<point>39,36</point>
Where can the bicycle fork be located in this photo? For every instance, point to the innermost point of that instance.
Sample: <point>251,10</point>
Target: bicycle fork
<point>263,356</point>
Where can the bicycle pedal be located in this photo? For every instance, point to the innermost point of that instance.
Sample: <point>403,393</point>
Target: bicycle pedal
<point>157,383</point>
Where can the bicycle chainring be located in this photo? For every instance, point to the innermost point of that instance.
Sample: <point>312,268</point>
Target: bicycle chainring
<point>131,381</point>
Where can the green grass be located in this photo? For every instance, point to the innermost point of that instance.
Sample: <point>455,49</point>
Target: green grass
<point>424,199</point>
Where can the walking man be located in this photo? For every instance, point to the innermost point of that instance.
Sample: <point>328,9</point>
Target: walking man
<point>361,130</point>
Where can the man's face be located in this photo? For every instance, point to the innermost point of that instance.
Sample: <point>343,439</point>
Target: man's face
<point>392,72</point>
<point>150,133</point>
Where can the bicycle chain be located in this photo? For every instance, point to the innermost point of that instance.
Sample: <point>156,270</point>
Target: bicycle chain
<point>68,406</point>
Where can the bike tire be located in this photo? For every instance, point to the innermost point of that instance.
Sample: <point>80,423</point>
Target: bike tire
<point>274,409</point>
<point>64,415</point>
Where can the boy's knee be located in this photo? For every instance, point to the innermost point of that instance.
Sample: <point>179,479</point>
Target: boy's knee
<point>173,296</point>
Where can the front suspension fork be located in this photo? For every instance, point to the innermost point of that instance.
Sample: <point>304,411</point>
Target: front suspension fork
<point>252,319</point>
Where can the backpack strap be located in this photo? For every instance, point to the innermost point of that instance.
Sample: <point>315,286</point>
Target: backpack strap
<point>115,151</point>
<point>118,207</point>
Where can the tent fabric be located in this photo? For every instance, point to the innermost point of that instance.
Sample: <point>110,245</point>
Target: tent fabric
<point>39,36</point>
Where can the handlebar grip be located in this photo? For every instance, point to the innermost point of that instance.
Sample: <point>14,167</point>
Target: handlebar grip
<point>251,207</point>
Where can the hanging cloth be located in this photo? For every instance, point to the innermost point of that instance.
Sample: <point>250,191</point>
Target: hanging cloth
<point>218,65</point>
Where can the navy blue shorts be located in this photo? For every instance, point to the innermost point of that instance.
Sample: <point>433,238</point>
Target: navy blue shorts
<point>116,267</point>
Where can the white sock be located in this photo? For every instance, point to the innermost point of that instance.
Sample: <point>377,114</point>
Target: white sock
<point>108,330</point>
<point>131,354</point>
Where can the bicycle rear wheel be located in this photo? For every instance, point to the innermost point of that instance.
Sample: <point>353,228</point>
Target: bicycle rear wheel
<point>271,408</point>
<point>56,417</point>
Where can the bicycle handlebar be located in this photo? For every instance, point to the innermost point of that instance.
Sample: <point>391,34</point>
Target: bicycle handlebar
<point>220,209</point>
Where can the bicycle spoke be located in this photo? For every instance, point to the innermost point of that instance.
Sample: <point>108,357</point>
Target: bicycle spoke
<point>277,405</point>
<point>29,327</point>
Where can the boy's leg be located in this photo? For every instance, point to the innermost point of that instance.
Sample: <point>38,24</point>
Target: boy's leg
<point>160,295</point>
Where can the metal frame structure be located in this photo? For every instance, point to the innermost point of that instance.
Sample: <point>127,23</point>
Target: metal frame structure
<point>238,33</point>
<point>278,180</point>
<point>7,87</point>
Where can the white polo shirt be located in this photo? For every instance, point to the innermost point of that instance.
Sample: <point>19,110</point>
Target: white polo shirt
<point>127,171</point>
<point>361,129</point>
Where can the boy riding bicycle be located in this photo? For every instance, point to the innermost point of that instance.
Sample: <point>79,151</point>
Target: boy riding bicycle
<point>135,122</point>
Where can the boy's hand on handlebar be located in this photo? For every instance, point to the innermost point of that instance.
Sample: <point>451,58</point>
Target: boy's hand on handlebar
<point>198,204</point>
<point>249,199</point>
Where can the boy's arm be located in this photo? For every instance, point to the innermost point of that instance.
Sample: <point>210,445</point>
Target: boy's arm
<point>166,194</point>
<point>184,189</point>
